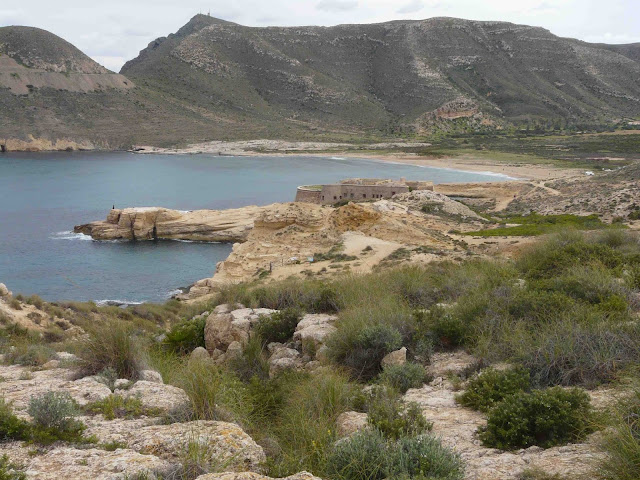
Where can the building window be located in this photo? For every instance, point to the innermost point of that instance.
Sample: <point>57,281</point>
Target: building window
<point>323,197</point>
<point>393,193</point>
<point>335,198</point>
<point>352,195</point>
<point>364,195</point>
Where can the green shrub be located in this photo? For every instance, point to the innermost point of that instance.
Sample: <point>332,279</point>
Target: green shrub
<point>213,393</point>
<point>254,360</point>
<point>305,427</point>
<point>389,415</point>
<point>425,457</point>
<point>15,304</point>
<point>279,326</point>
<point>11,427</point>
<point>566,353</point>
<point>403,377</point>
<point>53,417</point>
<point>9,470</point>
<point>184,337</point>
<point>36,301</point>
<point>363,456</point>
<point>113,346</point>
<point>363,353</point>
<point>31,355</point>
<point>621,442</point>
<point>367,455</point>
<point>492,386</point>
<point>116,406</point>
<point>544,418</point>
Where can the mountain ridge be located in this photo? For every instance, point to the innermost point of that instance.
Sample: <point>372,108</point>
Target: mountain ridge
<point>218,80</point>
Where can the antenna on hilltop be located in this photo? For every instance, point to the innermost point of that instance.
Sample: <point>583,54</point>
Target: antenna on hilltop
<point>209,13</point>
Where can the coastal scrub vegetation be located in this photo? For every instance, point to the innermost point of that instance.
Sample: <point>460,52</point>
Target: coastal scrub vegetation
<point>562,315</point>
<point>536,224</point>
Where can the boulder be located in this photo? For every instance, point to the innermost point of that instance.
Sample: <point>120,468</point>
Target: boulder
<point>73,463</point>
<point>66,356</point>
<point>313,329</point>
<point>224,443</point>
<point>254,476</point>
<point>349,423</point>
<point>399,357</point>
<point>222,329</point>
<point>200,353</point>
<point>159,395</point>
<point>121,384</point>
<point>284,359</point>
<point>4,291</point>
<point>151,376</point>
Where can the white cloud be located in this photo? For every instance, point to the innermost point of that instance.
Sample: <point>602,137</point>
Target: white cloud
<point>337,5</point>
<point>112,63</point>
<point>412,7</point>
<point>117,30</point>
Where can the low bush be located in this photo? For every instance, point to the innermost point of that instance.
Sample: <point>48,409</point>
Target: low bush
<point>368,456</point>
<point>186,336</point>
<point>117,406</point>
<point>566,353</point>
<point>279,326</point>
<point>364,456</point>
<point>114,346</point>
<point>9,470</point>
<point>392,417</point>
<point>213,393</point>
<point>445,330</point>
<point>403,377</point>
<point>621,442</point>
<point>362,349</point>
<point>305,427</point>
<point>253,362</point>
<point>491,386</point>
<point>425,457</point>
<point>12,427</point>
<point>53,418</point>
<point>31,354</point>
<point>543,418</point>
<point>15,304</point>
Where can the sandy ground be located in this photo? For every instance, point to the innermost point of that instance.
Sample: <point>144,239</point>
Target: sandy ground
<point>518,171</point>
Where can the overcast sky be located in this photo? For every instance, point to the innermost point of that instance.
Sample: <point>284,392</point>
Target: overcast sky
<point>114,31</point>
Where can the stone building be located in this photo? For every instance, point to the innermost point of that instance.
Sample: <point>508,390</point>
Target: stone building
<point>357,190</point>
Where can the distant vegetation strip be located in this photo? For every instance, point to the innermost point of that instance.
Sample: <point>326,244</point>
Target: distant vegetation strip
<point>536,224</point>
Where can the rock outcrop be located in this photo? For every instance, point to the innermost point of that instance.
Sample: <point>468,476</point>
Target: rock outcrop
<point>152,223</point>
<point>73,463</point>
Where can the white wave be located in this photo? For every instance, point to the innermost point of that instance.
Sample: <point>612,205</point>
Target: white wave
<point>337,158</point>
<point>173,293</point>
<point>102,303</point>
<point>70,236</point>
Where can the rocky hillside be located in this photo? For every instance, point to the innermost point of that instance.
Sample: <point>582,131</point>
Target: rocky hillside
<point>410,74</point>
<point>216,80</point>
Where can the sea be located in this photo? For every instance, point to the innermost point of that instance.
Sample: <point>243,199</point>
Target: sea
<point>43,195</point>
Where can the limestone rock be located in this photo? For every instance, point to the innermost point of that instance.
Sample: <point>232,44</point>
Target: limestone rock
<point>222,329</point>
<point>4,291</point>
<point>284,359</point>
<point>72,463</point>
<point>158,395</point>
<point>226,443</point>
<point>200,353</point>
<point>254,476</point>
<point>399,357</point>
<point>234,350</point>
<point>19,391</point>
<point>149,223</point>
<point>66,356</point>
<point>314,329</point>
<point>349,423</point>
<point>151,376</point>
<point>121,384</point>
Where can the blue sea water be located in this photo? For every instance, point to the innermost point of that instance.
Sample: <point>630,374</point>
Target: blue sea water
<point>42,196</point>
